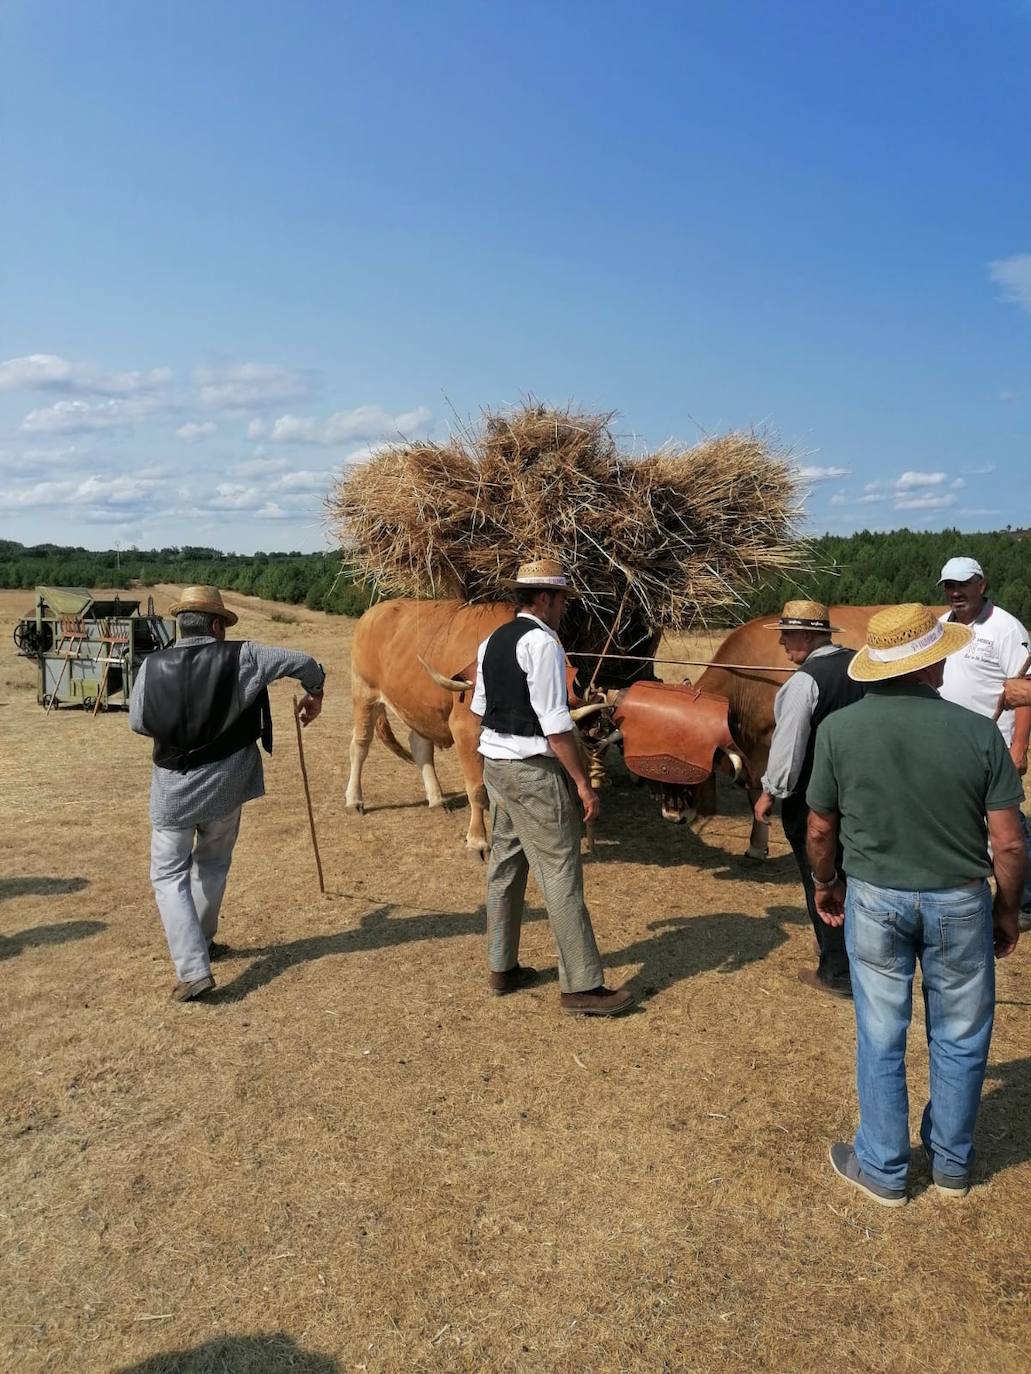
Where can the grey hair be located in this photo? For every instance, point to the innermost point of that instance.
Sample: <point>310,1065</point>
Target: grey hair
<point>195,623</point>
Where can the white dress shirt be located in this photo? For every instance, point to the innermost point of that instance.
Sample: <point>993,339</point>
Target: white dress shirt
<point>539,654</point>
<point>793,709</point>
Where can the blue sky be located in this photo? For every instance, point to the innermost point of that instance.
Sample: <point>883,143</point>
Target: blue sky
<point>244,242</point>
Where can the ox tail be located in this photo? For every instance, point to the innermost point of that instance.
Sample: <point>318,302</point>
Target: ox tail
<point>388,737</point>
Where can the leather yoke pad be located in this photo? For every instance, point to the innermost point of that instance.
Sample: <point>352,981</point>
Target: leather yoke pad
<point>671,731</point>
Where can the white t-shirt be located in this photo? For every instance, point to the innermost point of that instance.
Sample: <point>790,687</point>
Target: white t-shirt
<point>974,676</point>
<point>540,656</point>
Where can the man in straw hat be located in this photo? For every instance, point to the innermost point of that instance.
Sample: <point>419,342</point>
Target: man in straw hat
<point>819,687</point>
<point>975,677</point>
<point>204,702</point>
<point>531,756</point>
<point>910,779</point>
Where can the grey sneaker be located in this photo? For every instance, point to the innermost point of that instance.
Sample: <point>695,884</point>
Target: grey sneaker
<point>951,1185</point>
<point>846,1166</point>
<point>186,992</point>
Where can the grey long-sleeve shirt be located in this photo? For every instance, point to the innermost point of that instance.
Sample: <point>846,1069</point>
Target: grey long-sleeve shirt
<point>211,791</point>
<point>793,709</point>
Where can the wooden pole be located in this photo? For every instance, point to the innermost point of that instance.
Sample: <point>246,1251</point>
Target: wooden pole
<point>307,795</point>
<point>1023,673</point>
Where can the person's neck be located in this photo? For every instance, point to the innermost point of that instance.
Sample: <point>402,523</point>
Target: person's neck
<point>967,617</point>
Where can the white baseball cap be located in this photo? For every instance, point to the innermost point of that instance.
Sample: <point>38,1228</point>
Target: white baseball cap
<point>961,570</point>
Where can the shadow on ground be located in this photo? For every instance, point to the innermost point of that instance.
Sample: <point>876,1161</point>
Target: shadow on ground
<point>1002,1137</point>
<point>277,1354</point>
<point>681,947</point>
<point>376,930</point>
<point>40,887</point>
<point>57,934</point>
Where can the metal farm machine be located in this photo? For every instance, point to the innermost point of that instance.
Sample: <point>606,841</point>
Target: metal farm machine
<point>88,651</point>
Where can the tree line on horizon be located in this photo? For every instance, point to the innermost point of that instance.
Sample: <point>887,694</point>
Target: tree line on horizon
<point>861,569</point>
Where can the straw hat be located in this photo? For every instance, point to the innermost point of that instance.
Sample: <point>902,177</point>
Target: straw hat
<point>546,574</point>
<point>804,615</point>
<point>903,639</point>
<point>203,599</point>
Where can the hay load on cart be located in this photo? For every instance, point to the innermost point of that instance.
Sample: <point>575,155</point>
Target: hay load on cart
<point>664,541</point>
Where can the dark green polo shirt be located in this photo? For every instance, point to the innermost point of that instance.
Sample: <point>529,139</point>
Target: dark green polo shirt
<point>912,777</point>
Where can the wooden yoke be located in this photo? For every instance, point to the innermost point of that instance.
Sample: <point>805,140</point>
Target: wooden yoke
<point>671,732</point>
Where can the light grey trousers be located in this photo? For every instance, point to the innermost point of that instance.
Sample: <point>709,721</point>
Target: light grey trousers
<point>536,825</point>
<point>189,868</point>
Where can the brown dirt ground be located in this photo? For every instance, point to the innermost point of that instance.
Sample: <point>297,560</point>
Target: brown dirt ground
<point>350,1158</point>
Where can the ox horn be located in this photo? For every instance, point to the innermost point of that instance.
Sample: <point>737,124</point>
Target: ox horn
<point>737,761</point>
<point>579,712</point>
<point>450,684</point>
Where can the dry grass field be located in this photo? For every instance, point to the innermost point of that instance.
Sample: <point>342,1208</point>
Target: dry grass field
<point>350,1158</point>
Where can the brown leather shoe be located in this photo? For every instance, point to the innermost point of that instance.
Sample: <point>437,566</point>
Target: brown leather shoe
<point>512,980</point>
<point>185,992</point>
<point>600,1001</point>
<point>812,979</point>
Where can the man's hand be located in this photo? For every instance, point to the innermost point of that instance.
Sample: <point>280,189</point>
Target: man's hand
<point>830,903</point>
<point>1016,692</point>
<point>590,800</point>
<point>1019,757</point>
<point>1005,929</point>
<point>763,808</point>
<point>309,706</point>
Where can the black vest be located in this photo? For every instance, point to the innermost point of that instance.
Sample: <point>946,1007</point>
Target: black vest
<point>192,709</point>
<point>836,689</point>
<point>509,710</point>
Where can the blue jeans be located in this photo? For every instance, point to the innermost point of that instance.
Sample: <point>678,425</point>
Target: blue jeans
<point>950,932</point>
<point>1025,901</point>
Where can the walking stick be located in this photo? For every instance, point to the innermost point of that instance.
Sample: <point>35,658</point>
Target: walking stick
<point>307,795</point>
<point>1023,673</point>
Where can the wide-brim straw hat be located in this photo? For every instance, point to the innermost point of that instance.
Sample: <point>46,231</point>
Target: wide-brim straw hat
<point>904,639</point>
<point>545,574</point>
<point>804,615</point>
<point>201,600</point>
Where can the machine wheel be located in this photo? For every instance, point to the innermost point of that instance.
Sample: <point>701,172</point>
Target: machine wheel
<point>88,703</point>
<point>47,700</point>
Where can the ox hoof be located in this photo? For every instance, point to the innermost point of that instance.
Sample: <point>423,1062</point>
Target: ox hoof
<point>756,855</point>
<point>478,849</point>
<point>357,807</point>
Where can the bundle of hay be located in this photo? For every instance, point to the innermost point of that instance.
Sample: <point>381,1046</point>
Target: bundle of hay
<point>666,541</point>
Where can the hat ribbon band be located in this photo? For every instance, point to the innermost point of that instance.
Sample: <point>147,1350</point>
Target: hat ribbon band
<point>541,581</point>
<point>915,646</point>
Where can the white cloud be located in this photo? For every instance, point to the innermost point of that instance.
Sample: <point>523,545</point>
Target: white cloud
<point>93,491</point>
<point>257,429</point>
<point>303,481</point>
<point>979,472</point>
<point>193,433</point>
<point>909,480</point>
<point>1007,395</point>
<point>260,466</point>
<point>927,501</point>
<point>957,484</point>
<point>250,386</point>
<point>48,372</point>
<point>345,426</point>
<point>84,417</point>
<point>817,474</point>
<point>40,459</point>
<point>979,510</point>
<point>839,499</point>
<point>1013,275</point>
<point>871,498</point>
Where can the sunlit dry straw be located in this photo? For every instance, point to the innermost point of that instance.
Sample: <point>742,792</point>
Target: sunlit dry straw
<point>676,536</point>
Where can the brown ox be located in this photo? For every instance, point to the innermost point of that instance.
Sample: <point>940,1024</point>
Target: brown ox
<point>751,692</point>
<point>390,640</point>
<point>395,644</point>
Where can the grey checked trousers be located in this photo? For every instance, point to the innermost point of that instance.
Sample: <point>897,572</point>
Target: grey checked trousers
<point>189,868</point>
<point>536,825</point>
